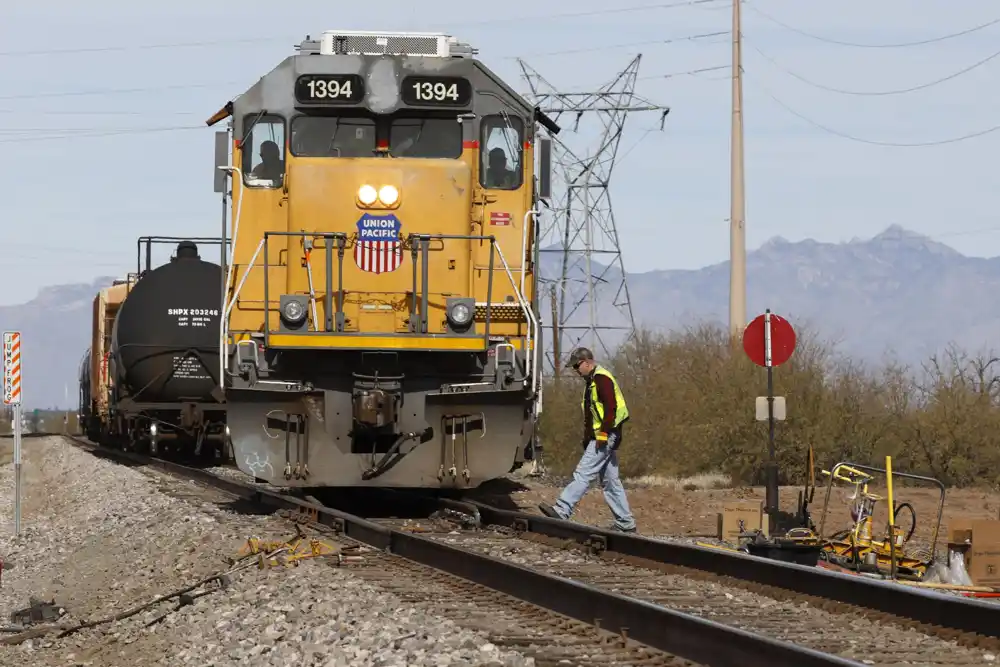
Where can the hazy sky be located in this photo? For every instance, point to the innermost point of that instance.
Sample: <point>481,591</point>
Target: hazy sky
<point>102,109</point>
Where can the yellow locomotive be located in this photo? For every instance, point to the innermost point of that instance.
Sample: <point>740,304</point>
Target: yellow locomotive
<point>380,311</point>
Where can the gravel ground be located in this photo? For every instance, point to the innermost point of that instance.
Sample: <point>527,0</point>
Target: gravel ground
<point>100,538</point>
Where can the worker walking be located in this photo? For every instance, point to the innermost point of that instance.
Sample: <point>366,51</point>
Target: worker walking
<point>604,415</point>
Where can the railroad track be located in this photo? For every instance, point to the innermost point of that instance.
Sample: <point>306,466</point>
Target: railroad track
<point>702,605</point>
<point>552,618</point>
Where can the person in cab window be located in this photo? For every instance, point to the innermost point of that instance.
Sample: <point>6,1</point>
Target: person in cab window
<point>270,167</point>
<point>497,174</point>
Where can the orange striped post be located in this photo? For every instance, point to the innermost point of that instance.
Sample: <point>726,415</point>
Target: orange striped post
<point>12,396</point>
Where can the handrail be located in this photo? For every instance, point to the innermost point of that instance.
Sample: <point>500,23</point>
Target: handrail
<point>224,323</point>
<point>529,315</point>
<point>525,308</point>
<point>236,296</point>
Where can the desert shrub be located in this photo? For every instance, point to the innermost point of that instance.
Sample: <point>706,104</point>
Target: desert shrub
<point>691,398</point>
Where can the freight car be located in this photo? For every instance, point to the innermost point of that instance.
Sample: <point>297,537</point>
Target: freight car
<point>154,358</point>
<point>381,320</point>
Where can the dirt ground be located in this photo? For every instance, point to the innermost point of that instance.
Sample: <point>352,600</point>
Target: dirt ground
<point>666,508</point>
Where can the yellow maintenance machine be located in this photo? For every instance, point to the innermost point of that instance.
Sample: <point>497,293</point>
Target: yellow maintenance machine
<point>857,547</point>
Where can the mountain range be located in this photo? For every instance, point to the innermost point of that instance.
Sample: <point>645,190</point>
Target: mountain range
<point>897,292</point>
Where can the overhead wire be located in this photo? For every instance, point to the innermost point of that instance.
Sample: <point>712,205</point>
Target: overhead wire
<point>873,142</point>
<point>968,31</point>
<point>100,133</point>
<point>864,93</point>
<point>851,137</point>
<point>606,47</point>
<point>270,38</point>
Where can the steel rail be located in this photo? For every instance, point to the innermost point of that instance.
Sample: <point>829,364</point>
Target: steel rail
<point>682,635</point>
<point>923,606</point>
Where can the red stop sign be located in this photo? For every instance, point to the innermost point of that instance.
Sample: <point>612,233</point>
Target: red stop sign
<point>782,340</point>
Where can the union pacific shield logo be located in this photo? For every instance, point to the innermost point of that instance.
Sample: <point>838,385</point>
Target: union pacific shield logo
<point>379,248</point>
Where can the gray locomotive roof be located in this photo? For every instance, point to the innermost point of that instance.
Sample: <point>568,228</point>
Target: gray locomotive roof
<point>273,92</point>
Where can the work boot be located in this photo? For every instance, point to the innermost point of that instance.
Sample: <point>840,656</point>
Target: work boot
<point>549,511</point>
<point>615,527</point>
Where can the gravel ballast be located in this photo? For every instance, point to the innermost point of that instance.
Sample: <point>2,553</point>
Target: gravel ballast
<point>100,538</point>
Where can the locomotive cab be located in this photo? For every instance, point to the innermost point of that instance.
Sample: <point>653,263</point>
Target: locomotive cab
<point>380,310</point>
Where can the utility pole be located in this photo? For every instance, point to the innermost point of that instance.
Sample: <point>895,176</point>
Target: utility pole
<point>581,228</point>
<point>737,204</point>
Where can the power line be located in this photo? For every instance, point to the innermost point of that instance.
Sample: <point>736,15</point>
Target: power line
<point>657,42</point>
<point>108,133</point>
<point>872,142</point>
<point>117,112</point>
<point>828,40</point>
<point>690,72</point>
<point>841,91</point>
<point>121,91</point>
<point>271,38</point>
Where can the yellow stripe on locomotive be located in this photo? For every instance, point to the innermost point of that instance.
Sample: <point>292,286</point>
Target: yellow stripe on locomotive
<point>383,196</point>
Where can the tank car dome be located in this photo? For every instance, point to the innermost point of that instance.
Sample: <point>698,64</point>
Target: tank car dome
<point>186,250</point>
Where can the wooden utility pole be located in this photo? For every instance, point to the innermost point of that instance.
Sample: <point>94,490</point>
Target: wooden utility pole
<point>556,332</point>
<point>737,206</point>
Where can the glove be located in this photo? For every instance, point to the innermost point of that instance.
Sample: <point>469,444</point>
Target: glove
<point>602,439</point>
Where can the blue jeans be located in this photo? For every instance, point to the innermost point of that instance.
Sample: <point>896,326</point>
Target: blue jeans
<point>603,464</point>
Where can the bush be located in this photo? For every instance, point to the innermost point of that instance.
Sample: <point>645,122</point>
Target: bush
<point>691,400</point>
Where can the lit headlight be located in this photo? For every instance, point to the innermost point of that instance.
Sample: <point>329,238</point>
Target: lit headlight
<point>367,195</point>
<point>460,314</point>
<point>388,195</point>
<point>293,311</point>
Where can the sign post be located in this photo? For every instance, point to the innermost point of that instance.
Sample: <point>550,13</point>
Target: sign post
<point>12,396</point>
<point>769,341</point>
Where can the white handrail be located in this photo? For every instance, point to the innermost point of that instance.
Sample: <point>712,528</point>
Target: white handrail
<point>224,321</point>
<point>239,288</point>
<point>529,358</point>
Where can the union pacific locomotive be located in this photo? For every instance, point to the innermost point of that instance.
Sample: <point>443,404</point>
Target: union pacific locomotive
<point>380,316</point>
<point>150,377</point>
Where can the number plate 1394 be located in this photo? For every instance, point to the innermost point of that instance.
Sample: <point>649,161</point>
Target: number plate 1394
<point>330,88</point>
<point>436,91</point>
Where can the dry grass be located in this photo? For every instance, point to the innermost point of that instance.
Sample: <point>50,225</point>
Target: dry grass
<point>691,483</point>
<point>6,451</point>
<point>691,397</point>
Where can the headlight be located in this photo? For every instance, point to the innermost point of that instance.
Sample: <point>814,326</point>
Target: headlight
<point>460,314</point>
<point>367,195</point>
<point>388,195</point>
<point>294,311</point>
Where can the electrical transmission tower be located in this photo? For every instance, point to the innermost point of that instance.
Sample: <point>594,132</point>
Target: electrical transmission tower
<point>581,262</point>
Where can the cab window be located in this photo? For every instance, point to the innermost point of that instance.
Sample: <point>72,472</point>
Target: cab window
<point>263,149</point>
<point>425,138</point>
<point>501,152</point>
<point>333,136</point>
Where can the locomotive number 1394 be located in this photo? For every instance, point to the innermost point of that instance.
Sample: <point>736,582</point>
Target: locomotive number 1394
<point>436,90</point>
<point>329,88</point>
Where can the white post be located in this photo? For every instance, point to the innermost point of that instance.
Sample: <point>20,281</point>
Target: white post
<point>17,469</point>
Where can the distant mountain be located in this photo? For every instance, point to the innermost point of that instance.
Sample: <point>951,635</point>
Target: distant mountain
<point>55,330</point>
<point>898,291</point>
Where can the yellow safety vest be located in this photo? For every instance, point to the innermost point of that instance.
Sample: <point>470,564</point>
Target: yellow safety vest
<point>597,407</point>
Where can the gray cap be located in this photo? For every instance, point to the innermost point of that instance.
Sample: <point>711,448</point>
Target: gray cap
<point>578,355</point>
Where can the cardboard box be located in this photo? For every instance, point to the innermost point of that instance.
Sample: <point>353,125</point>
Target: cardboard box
<point>984,556</point>
<point>740,516</point>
